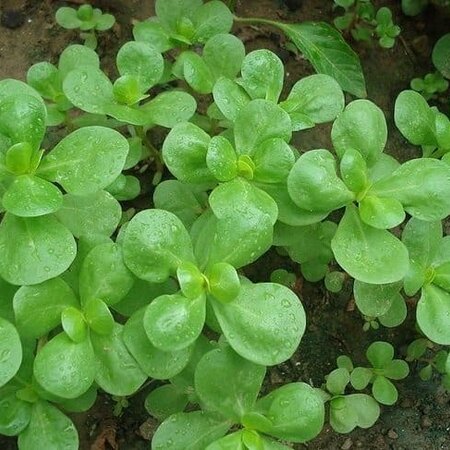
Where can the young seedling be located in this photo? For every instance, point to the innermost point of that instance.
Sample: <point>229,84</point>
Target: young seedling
<point>434,357</point>
<point>88,19</point>
<point>384,368</point>
<point>347,411</point>
<point>364,22</point>
<point>436,83</point>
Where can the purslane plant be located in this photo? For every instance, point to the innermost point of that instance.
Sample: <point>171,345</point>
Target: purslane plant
<point>293,412</point>
<point>363,21</point>
<point>435,83</point>
<point>88,19</point>
<point>92,299</point>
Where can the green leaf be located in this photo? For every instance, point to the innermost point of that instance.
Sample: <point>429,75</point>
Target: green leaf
<point>263,75</point>
<point>296,411</point>
<point>173,322</point>
<point>117,372</point>
<point>252,322</point>
<point>82,403</point>
<point>16,415</point>
<point>105,22</point>
<point>192,282</point>
<point>211,19</point>
<point>380,354</point>
<point>221,159</point>
<point>22,119</point>
<point>362,127</point>
<point>396,369</point>
<point>65,368</point>
<point>30,196</point>
<point>10,351</point>
<point>154,362</point>
<point>258,121</point>
<point>343,418</point>
<point>353,170</point>
<point>223,282</point>
<point>89,89</point>
<point>313,184</point>
<point>86,160</point>
<point>288,212</point>
<point>337,381</point>
<point>155,243</point>
<point>366,408</point>
<point>368,254</point>
<point>442,276</point>
<point>142,61</point>
<point>180,199</point>
<point>74,55</point>
<point>151,32</point>
<point>242,232</point>
<point>170,12</point>
<point>422,240</point>
<point>164,401</point>
<point>421,186</point>
<point>50,428</point>
<point>243,382</point>
<point>230,97</point>
<point>224,54</point>
<point>441,55</point>
<point>46,79</point>
<point>18,159</point>
<point>382,213</point>
<point>273,161</point>
<point>360,377</point>
<point>197,73</point>
<point>329,54</point>
<point>38,308</point>
<point>74,324</point>
<point>125,187</point>
<point>67,18</point>
<point>414,118</point>
<point>84,215</point>
<point>374,300</point>
<point>319,97</point>
<point>433,314</point>
<point>170,108</point>
<point>104,275</point>
<point>396,314</point>
<point>384,391</point>
<point>189,431</point>
<point>232,441</point>
<point>98,316</point>
<point>184,153</point>
<point>53,248</point>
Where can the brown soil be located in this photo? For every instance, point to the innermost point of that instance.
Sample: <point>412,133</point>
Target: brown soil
<point>421,418</point>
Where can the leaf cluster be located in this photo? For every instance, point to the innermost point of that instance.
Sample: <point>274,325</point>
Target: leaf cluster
<point>364,22</point>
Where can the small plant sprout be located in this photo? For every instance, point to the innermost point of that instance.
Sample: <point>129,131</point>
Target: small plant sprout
<point>87,19</point>
<point>364,22</point>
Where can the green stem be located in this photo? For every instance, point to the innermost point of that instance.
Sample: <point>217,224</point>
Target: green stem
<point>156,155</point>
<point>256,20</point>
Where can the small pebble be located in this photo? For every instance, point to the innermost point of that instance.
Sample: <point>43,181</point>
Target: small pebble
<point>348,444</point>
<point>12,19</point>
<point>392,434</point>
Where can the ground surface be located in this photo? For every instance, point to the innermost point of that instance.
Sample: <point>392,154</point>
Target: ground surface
<point>421,418</point>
